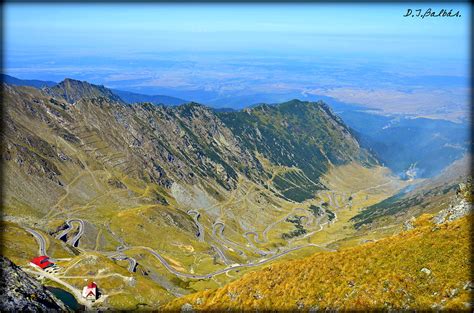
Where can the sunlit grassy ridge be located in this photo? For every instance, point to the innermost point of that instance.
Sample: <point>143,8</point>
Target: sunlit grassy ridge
<point>381,275</point>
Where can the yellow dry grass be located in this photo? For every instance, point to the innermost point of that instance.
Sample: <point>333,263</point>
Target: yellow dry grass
<point>381,275</point>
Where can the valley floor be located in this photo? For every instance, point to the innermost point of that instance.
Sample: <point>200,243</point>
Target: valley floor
<point>137,264</point>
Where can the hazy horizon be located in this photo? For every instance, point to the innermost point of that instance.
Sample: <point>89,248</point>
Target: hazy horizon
<point>238,54</point>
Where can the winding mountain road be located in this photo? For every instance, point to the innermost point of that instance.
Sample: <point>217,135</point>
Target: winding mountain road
<point>40,239</point>
<point>224,241</point>
<point>195,215</point>
<point>225,270</point>
<point>221,255</point>
<point>217,235</point>
<point>255,238</point>
<point>329,196</point>
<point>132,263</point>
<point>269,227</point>
<point>74,240</point>
<point>253,246</point>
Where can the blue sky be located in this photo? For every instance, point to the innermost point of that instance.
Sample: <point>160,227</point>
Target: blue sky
<point>247,52</point>
<point>233,27</point>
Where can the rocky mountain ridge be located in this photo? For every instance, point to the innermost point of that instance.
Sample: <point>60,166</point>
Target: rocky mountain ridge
<point>188,144</point>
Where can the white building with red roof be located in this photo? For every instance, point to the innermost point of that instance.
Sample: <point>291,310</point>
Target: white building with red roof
<point>89,292</point>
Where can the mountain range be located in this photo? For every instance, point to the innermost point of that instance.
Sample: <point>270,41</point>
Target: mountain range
<point>165,145</point>
<point>26,82</point>
<point>155,201</point>
<point>409,146</point>
<point>127,96</point>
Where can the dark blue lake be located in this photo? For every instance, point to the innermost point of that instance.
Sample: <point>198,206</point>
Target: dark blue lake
<point>67,298</point>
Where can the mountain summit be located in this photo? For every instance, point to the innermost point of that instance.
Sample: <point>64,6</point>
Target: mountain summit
<point>73,90</point>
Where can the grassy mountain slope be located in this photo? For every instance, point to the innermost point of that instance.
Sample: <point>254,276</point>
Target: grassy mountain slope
<point>86,126</point>
<point>428,267</point>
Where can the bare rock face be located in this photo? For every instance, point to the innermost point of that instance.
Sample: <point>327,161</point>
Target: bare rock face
<point>453,212</point>
<point>408,224</point>
<point>21,293</point>
<point>461,205</point>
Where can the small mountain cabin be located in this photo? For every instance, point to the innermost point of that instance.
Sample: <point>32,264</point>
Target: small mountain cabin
<point>89,292</point>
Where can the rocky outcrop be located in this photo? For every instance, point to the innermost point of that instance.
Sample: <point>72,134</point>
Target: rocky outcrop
<point>21,293</point>
<point>408,224</point>
<point>454,212</point>
<point>460,206</point>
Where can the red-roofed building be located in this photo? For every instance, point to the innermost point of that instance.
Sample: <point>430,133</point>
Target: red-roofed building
<point>90,291</point>
<point>42,262</point>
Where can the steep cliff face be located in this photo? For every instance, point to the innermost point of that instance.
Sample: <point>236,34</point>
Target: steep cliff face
<point>21,293</point>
